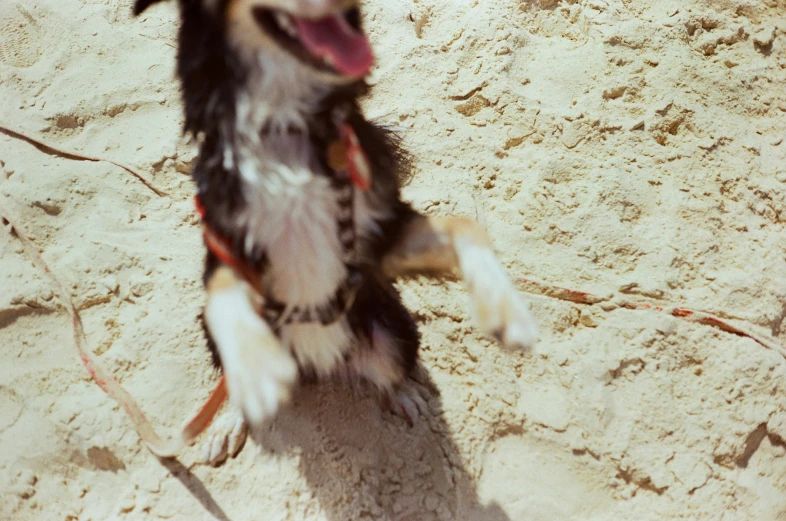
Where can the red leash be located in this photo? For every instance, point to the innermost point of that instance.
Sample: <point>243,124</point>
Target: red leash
<point>165,447</point>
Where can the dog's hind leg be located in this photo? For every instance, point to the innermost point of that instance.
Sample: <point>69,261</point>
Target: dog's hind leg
<point>379,361</point>
<point>386,356</point>
<point>439,245</point>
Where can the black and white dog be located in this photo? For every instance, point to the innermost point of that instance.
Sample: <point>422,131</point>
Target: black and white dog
<point>304,223</point>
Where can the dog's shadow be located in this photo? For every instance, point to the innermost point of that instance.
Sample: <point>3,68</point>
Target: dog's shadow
<point>363,463</point>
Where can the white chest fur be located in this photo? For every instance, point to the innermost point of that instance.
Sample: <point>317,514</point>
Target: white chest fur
<point>292,212</point>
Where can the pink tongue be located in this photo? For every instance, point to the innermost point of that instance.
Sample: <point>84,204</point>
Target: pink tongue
<point>333,37</point>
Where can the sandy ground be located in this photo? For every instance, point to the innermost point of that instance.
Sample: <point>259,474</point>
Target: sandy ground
<point>626,147</point>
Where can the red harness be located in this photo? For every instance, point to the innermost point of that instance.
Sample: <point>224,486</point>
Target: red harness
<point>345,157</point>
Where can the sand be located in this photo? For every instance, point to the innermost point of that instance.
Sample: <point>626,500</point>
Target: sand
<point>630,148</point>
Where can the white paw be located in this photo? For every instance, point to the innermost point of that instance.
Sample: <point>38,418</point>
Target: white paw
<point>508,319</point>
<point>259,372</point>
<point>498,307</point>
<point>225,438</point>
<point>261,378</point>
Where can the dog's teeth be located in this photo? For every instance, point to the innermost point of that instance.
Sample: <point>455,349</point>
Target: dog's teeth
<point>285,23</point>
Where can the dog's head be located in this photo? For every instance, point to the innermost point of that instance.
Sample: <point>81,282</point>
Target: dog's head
<point>299,44</point>
<point>324,36</point>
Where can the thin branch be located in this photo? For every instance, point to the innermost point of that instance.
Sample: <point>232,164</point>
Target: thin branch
<point>49,149</point>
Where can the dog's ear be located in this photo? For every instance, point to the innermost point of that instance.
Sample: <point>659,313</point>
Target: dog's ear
<point>141,5</point>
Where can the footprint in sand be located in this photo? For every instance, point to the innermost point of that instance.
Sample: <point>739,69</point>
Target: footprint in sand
<point>20,36</point>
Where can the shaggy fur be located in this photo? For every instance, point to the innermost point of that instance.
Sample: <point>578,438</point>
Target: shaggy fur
<point>326,252</point>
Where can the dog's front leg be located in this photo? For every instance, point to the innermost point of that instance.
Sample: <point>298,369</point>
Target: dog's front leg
<point>259,372</point>
<point>438,245</point>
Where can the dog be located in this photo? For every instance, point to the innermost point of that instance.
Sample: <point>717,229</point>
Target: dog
<point>304,223</point>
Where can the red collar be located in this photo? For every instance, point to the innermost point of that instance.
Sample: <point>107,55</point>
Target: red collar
<point>357,163</point>
<point>221,247</point>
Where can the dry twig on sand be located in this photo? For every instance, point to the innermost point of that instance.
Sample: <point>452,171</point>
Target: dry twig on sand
<point>77,157</point>
<point>700,317</point>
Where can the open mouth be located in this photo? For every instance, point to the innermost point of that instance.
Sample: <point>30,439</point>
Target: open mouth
<point>334,43</point>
